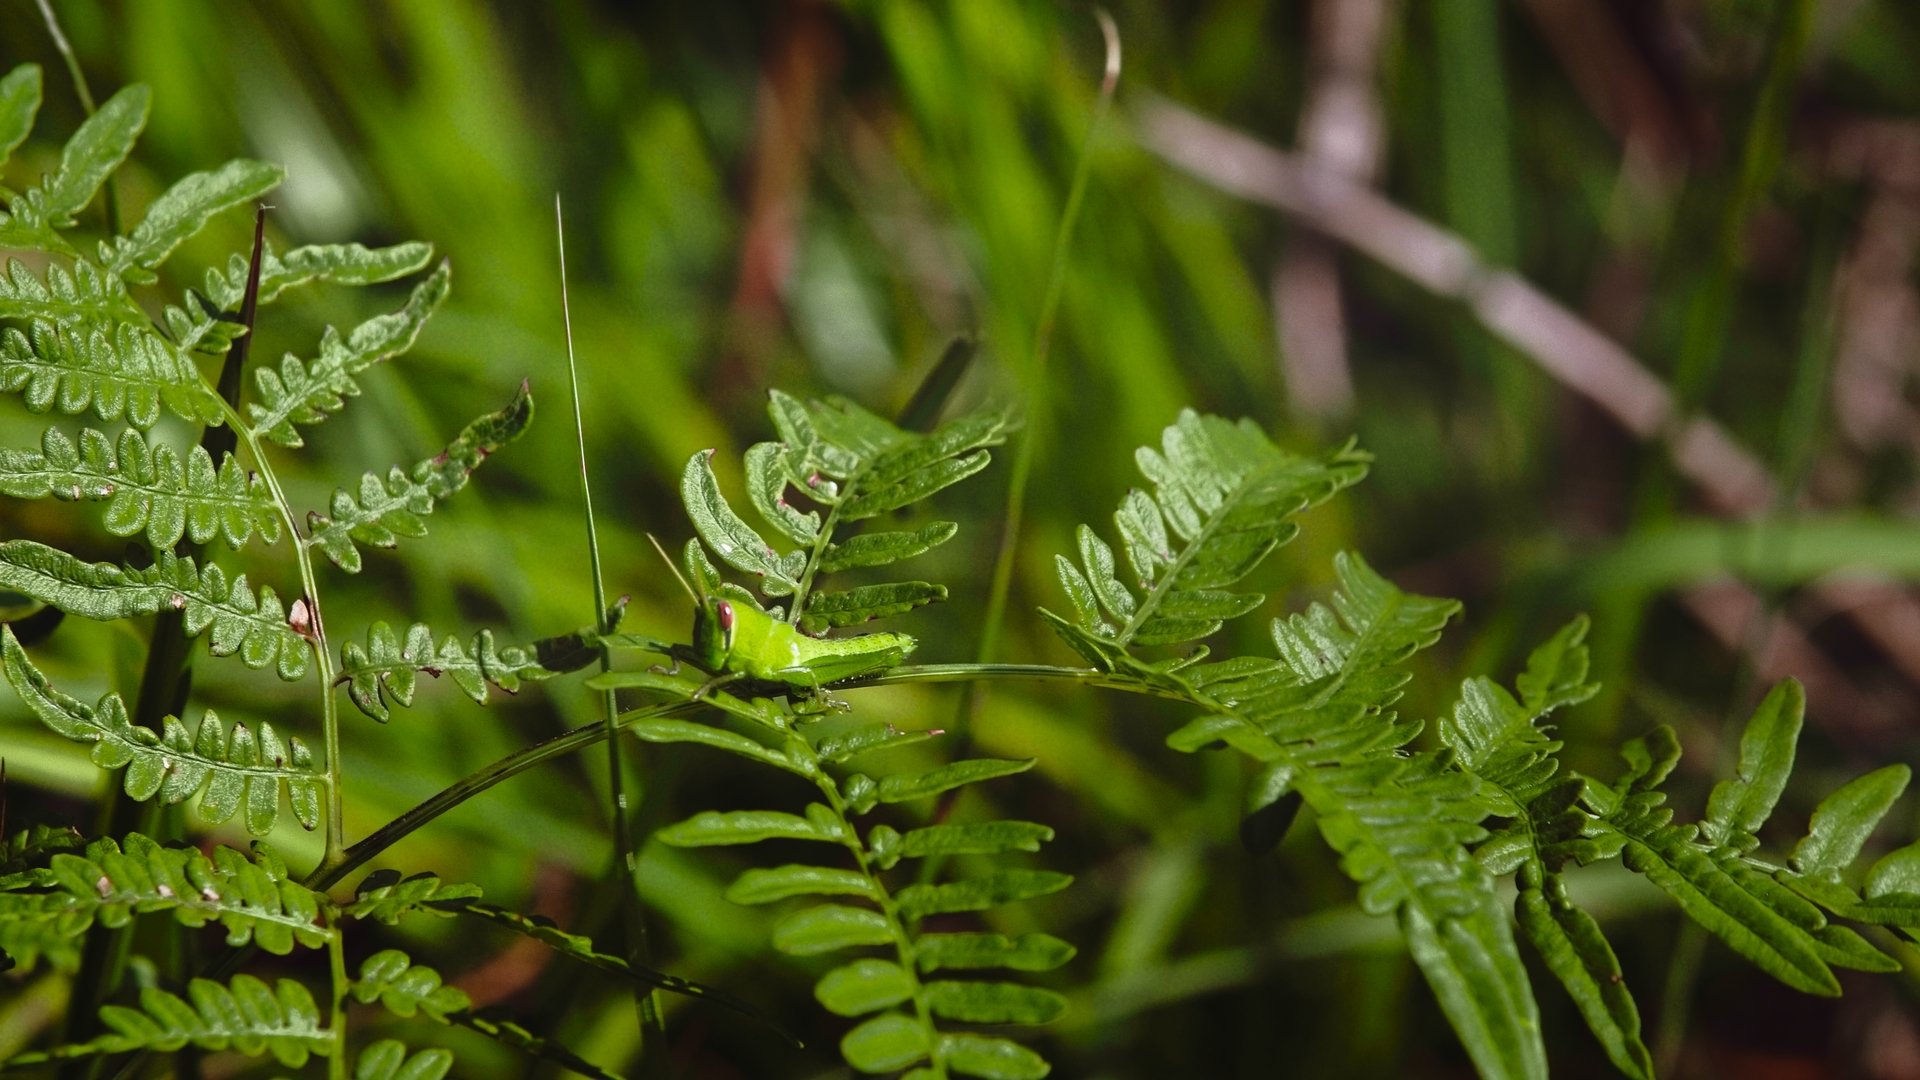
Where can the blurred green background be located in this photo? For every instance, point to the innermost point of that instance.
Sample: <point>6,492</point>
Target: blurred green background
<point>818,196</point>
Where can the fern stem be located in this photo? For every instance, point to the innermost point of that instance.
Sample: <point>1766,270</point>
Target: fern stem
<point>638,950</point>
<point>337,1015</point>
<point>814,556</point>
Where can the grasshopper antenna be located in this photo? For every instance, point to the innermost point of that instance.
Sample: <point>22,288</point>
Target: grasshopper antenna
<point>674,570</point>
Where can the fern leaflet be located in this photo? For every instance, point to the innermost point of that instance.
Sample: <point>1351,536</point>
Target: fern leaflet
<point>246,1016</point>
<point>853,465</point>
<point>146,487</point>
<point>387,1059</point>
<point>235,618</point>
<point>1224,493</point>
<point>306,392</point>
<point>385,510</point>
<point>386,671</point>
<point>231,769</point>
<point>255,899</point>
<point>33,219</point>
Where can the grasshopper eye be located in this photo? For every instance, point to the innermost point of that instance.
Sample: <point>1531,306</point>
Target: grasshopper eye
<point>724,612</point>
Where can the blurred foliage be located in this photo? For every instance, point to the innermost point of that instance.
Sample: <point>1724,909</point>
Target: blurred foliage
<point>818,196</point>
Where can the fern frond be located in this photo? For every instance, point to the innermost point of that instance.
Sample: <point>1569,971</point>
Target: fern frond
<point>247,1016</point>
<point>307,392</point>
<point>1771,915</point>
<point>1498,738</point>
<point>236,619</point>
<point>384,896</point>
<point>864,912</point>
<point>385,510</point>
<point>1223,497</point>
<point>387,1059</point>
<point>231,769</point>
<point>146,487</point>
<point>854,465</point>
<point>255,899</point>
<point>1319,721</point>
<point>19,102</point>
<point>406,989</point>
<point>34,218</point>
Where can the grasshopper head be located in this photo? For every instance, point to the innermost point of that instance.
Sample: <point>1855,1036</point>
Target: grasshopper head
<point>713,622</point>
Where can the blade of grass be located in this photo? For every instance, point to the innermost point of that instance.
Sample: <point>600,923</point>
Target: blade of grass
<point>635,946</point>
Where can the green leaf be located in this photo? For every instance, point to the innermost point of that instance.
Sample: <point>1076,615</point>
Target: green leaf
<point>184,209</point>
<point>906,787</point>
<point>386,669</point>
<point>853,742</point>
<point>1028,952</point>
<point>1843,821</point>
<point>384,896</point>
<point>1740,805</point>
<point>767,476</point>
<point>1475,972</point>
<point>829,927</point>
<point>991,1058</point>
<point>1896,874</point>
<point>887,1043</point>
<point>730,537</point>
<point>1223,496</point>
<point>1575,950</point>
<point>993,1002</point>
<point>387,1060</point>
<point>713,828</point>
<point>235,768</point>
<point>978,894</point>
<point>863,986</point>
<point>986,838</point>
<point>405,989</point>
<point>146,487</point>
<point>109,883</point>
<point>884,548</point>
<point>668,730</point>
<point>1557,671</point>
<point>19,102</point>
<point>826,610</point>
<point>114,368</point>
<point>307,392</point>
<point>236,619</point>
<point>383,511</point>
<point>1718,903</point>
<point>96,149</point>
<point>341,264</point>
<point>764,886</point>
<point>246,1016</point>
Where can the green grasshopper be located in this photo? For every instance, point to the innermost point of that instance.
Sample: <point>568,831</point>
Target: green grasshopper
<point>736,640</point>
